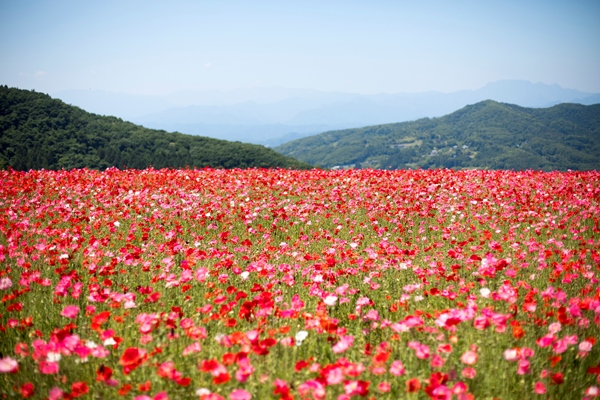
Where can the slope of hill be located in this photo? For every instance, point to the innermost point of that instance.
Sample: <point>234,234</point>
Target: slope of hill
<point>37,131</point>
<point>487,135</point>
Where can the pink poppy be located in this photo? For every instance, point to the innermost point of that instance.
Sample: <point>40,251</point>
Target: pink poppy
<point>397,368</point>
<point>539,388</point>
<point>70,311</point>
<point>469,357</point>
<point>8,365</point>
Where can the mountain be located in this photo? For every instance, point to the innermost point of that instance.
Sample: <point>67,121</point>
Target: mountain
<point>488,135</point>
<point>269,115</point>
<point>267,134</point>
<point>37,131</point>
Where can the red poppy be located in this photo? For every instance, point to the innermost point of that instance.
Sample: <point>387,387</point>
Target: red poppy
<point>413,385</point>
<point>123,390</point>
<point>300,365</point>
<point>184,381</point>
<point>208,365</point>
<point>132,358</point>
<point>103,373</point>
<point>558,378</point>
<point>221,378</point>
<point>79,389</point>
<point>99,319</point>
<point>27,390</point>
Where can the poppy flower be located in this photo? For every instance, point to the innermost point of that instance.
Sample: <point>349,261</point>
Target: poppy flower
<point>8,365</point>
<point>79,389</point>
<point>356,388</point>
<point>240,394</point>
<point>70,311</point>
<point>132,358</point>
<point>27,390</point>
<point>469,357</point>
<point>413,385</point>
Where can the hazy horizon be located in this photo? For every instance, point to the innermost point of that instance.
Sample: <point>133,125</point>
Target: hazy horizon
<point>308,90</point>
<point>157,48</point>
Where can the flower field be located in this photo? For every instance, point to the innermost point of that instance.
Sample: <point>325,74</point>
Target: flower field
<point>279,284</point>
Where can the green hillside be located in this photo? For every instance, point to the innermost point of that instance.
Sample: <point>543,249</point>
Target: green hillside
<point>487,135</point>
<point>37,131</point>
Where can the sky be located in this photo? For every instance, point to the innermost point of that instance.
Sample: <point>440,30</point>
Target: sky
<point>367,47</point>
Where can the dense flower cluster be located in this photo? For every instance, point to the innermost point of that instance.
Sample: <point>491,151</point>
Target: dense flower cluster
<point>255,284</point>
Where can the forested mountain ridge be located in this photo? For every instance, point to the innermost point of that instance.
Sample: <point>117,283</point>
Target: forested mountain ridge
<point>486,135</point>
<point>37,131</point>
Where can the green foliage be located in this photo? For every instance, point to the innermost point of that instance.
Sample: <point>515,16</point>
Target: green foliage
<point>37,132</point>
<point>486,135</point>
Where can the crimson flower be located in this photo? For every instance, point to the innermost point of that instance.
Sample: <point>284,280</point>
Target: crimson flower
<point>132,358</point>
<point>413,385</point>
<point>27,390</point>
<point>79,389</point>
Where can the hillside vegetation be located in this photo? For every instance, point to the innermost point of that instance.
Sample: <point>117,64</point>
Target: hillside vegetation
<point>486,135</point>
<point>37,132</point>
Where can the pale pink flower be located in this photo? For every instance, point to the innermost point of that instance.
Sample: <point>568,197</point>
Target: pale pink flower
<point>384,387</point>
<point>555,327</point>
<point>334,376</point>
<point>344,344</point>
<point>526,352</point>
<point>100,352</point>
<point>560,346</point>
<point>8,364</point>
<point>200,274</point>
<point>5,283</point>
<point>571,339</point>
<point>511,355</point>
<point>192,348</point>
<point>397,368</point>
<point>240,394</point>
<point>468,373</point>
<point>373,315</point>
<point>469,357</point>
<point>55,394</point>
<point>378,370</point>
<point>330,300</point>
<point>585,347</point>
<point>421,350</point>
<point>70,311</point>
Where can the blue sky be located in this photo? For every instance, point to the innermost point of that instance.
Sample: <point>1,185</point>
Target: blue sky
<point>158,47</point>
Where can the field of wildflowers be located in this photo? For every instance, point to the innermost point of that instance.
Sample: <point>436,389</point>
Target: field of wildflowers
<point>279,284</point>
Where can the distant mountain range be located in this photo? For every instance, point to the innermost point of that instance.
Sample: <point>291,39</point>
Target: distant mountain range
<point>485,135</point>
<point>272,116</point>
<point>37,131</point>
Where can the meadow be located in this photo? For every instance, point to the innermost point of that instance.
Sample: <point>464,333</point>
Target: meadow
<point>283,284</point>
